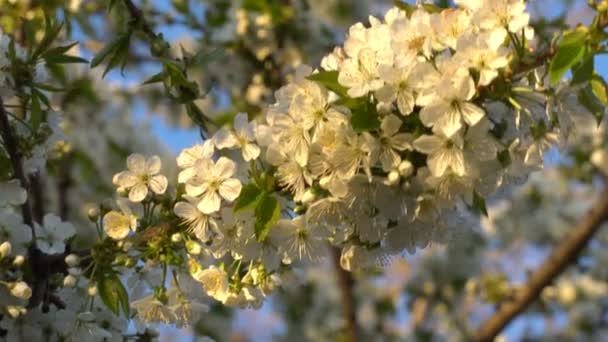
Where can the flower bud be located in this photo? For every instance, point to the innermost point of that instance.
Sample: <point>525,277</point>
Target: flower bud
<point>93,214</point>
<point>72,260</point>
<point>308,196</point>
<point>20,290</point>
<point>406,168</point>
<point>15,310</point>
<point>392,178</point>
<point>92,289</point>
<point>18,261</point>
<point>193,247</point>
<point>5,249</point>
<point>177,237</point>
<point>69,281</point>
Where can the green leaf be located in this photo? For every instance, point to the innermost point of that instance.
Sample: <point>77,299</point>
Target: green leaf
<point>329,79</point>
<point>267,213</point>
<point>248,198</point>
<point>588,99</point>
<point>36,112</point>
<point>113,47</point>
<point>63,59</point>
<point>570,51</point>
<point>583,71</point>
<point>51,31</point>
<point>479,204</point>
<point>365,117</point>
<point>113,294</point>
<point>155,78</point>
<point>599,89</point>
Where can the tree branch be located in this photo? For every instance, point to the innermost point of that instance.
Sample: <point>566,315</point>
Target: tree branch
<point>10,143</point>
<point>346,284</point>
<point>562,256</point>
<point>137,15</point>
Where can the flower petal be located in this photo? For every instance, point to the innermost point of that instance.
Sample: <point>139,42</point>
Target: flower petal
<point>153,165</point>
<point>210,202</point>
<point>230,189</point>
<point>158,184</point>
<point>224,168</point>
<point>138,193</point>
<point>136,163</point>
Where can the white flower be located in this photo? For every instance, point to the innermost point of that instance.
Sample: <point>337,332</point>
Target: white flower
<point>118,224</point>
<point>12,229</point>
<point>52,235</point>
<point>150,309</point>
<point>200,224</point>
<point>485,53</point>
<point>20,290</point>
<point>214,280</point>
<point>301,240</point>
<point>212,180</point>
<point>443,153</point>
<point>411,37</point>
<point>242,137</point>
<point>446,107</point>
<point>402,84</point>
<point>392,141</point>
<point>188,157</point>
<point>141,175</point>
<point>11,193</point>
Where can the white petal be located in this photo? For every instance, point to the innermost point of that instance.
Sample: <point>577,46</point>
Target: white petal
<point>224,138</point>
<point>158,184</point>
<point>210,202</point>
<point>185,175</point>
<point>230,189</point>
<point>471,113</point>
<point>429,115</point>
<point>136,163</point>
<point>153,165</point>
<point>138,193</point>
<point>224,168</point>
<point>241,122</point>
<point>185,210</point>
<point>449,123</point>
<point>428,144</point>
<point>251,152</point>
<point>125,179</point>
<point>390,125</point>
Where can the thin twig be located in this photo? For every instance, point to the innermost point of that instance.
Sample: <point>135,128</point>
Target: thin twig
<point>563,255</point>
<point>346,284</point>
<point>137,15</point>
<point>10,144</point>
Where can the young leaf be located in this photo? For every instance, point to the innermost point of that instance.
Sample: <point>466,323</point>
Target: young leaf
<point>249,197</point>
<point>365,117</point>
<point>155,78</point>
<point>569,52</point>
<point>113,294</point>
<point>267,213</point>
<point>583,71</point>
<point>112,48</point>
<point>36,112</point>
<point>329,79</point>
<point>63,59</point>
<point>599,89</point>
